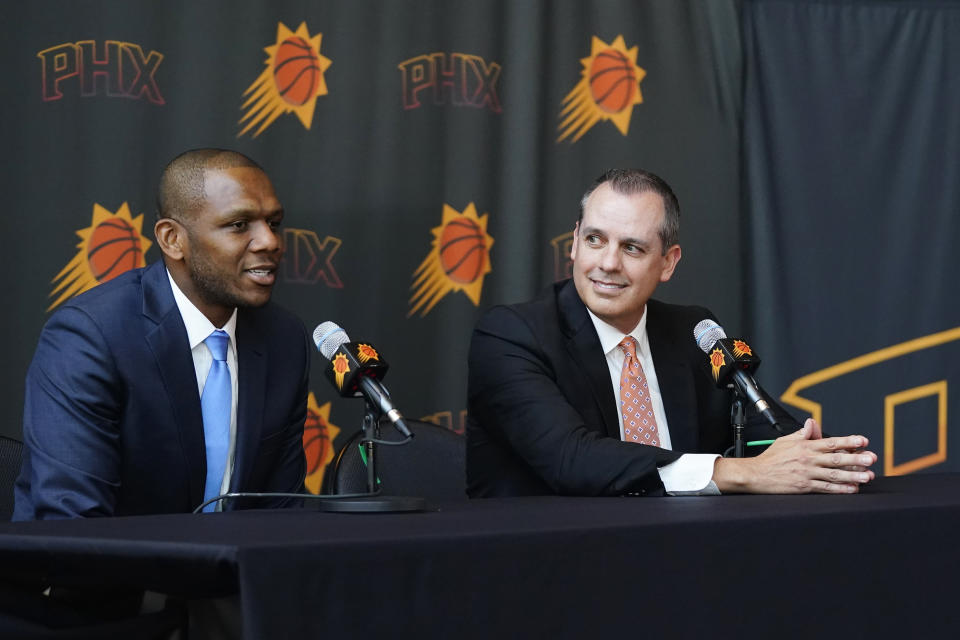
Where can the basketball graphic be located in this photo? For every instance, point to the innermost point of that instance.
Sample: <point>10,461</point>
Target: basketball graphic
<point>458,260</point>
<point>114,247</point>
<point>296,71</point>
<point>291,81</point>
<point>111,245</point>
<point>612,81</point>
<point>463,250</point>
<point>318,437</point>
<point>608,89</point>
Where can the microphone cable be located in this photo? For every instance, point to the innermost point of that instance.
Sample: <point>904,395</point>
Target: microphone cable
<point>308,496</point>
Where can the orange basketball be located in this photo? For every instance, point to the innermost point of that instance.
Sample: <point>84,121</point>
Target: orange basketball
<point>463,250</point>
<point>316,443</point>
<point>296,71</point>
<point>612,81</point>
<point>114,247</point>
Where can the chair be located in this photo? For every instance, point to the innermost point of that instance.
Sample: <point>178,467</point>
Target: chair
<point>11,454</point>
<point>431,466</point>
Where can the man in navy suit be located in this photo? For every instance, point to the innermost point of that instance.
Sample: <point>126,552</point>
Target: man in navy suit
<point>545,410</point>
<point>113,423</point>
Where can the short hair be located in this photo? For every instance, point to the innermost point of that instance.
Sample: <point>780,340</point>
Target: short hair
<point>634,181</point>
<point>181,189</point>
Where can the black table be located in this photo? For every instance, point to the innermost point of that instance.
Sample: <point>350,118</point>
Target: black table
<point>878,564</point>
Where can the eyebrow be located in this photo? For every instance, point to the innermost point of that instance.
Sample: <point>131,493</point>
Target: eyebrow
<point>249,212</point>
<point>643,244</point>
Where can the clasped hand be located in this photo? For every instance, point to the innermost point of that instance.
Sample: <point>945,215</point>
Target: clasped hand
<point>802,462</point>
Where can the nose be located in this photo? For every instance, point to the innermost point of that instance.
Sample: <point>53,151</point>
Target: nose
<point>610,258</point>
<point>266,238</point>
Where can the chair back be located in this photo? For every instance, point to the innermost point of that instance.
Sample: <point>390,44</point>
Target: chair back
<point>430,466</point>
<point>11,455</point>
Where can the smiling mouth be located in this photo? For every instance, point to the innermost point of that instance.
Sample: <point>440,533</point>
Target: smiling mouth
<point>262,275</point>
<point>607,286</point>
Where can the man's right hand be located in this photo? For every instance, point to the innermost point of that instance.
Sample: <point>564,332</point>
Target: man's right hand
<point>802,462</point>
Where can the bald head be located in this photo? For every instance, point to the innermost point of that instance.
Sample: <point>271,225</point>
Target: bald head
<point>181,190</point>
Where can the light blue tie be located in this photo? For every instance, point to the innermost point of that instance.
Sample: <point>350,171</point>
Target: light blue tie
<point>215,405</point>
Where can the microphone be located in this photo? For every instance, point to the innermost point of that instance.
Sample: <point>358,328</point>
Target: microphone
<point>733,362</point>
<point>356,370</point>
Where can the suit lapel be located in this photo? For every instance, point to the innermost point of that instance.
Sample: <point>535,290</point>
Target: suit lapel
<point>167,338</point>
<point>252,380</point>
<point>674,378</point>
<point>583,345</point>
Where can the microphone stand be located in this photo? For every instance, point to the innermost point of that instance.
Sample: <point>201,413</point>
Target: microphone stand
<point>737,421</point>
<point>371,432</point>
<point>373,503</point>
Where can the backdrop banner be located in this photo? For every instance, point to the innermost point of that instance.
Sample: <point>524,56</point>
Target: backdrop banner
<point>853,189</point>
<point>431,155</point>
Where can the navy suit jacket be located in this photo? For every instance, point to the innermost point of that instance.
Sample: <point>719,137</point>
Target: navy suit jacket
<point>112,420</point>
<point>542,414</point>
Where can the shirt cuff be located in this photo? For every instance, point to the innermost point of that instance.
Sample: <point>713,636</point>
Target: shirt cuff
<point>690,475</point>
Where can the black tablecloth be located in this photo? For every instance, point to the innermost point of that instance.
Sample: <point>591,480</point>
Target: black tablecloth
<point>877,564</point>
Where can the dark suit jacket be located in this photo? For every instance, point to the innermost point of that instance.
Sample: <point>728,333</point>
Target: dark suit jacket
<point>542,414</point>
<point>112,422</point>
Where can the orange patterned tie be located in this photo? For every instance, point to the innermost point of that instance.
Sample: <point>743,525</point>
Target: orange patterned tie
<point>636,406</point>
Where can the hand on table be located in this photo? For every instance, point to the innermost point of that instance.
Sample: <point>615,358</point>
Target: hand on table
<point>802,462</point>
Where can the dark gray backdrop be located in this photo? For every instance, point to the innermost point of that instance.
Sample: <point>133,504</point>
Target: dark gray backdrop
<point>814,251</point>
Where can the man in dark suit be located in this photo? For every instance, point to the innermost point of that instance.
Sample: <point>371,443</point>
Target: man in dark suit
<point>116,419</point>
<point>596,389</point>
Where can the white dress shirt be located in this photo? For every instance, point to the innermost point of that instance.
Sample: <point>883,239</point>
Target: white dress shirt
<point>198,328</point>
<point>691,473</point>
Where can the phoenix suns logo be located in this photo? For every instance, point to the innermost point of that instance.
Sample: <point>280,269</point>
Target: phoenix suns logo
<point>462,79</point>
<point>458,261</point>
<point>318,436</point>
<point>717,360</point>
<point>117,69</point>
<point>291,82</point>
<point>309,260</point>
<point>112,244</point>
<point>741,348</point>
<point>341,367</point>
<point>609,87</point>
<point>366,353</point>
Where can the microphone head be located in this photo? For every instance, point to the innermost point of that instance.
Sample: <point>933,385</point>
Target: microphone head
<point>328,336</point>
<point>706,333</point>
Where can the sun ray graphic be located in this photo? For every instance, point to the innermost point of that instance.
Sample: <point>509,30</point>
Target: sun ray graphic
<point>112,244</point>
<point>291,82</point>
<point>458,260</point>
<point>318,436</point>
<point>609,87</point>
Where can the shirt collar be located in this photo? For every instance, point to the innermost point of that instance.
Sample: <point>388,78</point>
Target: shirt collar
<point>198,325</point>
<point>610,336</point>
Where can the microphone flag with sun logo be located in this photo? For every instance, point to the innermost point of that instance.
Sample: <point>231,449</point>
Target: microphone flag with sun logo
<point>111,245</point>
<point>717,362</point>
<point>291,82</point>
<point>458,260</point>
<point>608,90</point>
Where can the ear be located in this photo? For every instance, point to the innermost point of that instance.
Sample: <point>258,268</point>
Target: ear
<point>171,237</point>
<point>670,260</point>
